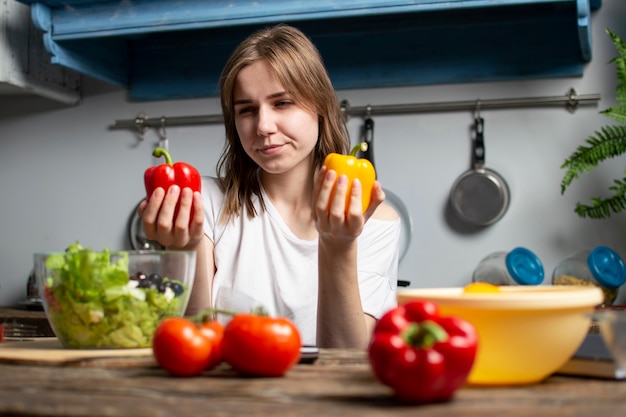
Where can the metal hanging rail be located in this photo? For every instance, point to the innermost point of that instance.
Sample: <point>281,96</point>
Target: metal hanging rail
<point>571,101</point>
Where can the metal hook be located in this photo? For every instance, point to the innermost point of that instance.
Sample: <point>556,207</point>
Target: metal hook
<point>572,100</point>
<point>345,109</point>
<point>368,111</point>
<point>477,109</point>
<point>140,124</point>
<point>162,132</point>
<point>163,135</point>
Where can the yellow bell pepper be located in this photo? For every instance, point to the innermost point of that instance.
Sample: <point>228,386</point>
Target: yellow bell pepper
<point>353,168</point>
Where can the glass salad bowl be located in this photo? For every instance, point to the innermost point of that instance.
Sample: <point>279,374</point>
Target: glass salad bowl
<point>612,324</point>
<point>112,299</point>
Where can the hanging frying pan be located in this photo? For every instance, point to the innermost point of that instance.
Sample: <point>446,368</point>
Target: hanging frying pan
<point>479,196</point>
<point>392,199</point>
<point>137,235</point>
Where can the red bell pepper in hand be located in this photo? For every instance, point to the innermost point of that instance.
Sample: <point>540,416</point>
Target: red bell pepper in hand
<point>421,355</point>
<point>168,174</point>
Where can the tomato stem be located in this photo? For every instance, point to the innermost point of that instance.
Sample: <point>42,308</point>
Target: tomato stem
<point>260,311</point>
<point>361,146</point>
<point>159,152</point>
<point>208,313</point>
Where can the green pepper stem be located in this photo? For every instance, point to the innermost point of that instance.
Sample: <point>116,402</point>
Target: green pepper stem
<point>159,152</point>
<point>424,334</point>
<point>361,146</point>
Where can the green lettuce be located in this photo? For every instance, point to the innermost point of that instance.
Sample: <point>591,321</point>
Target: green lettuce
<point>91,301</point>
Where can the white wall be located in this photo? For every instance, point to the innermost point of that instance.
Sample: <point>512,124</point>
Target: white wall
<point>66,176</point>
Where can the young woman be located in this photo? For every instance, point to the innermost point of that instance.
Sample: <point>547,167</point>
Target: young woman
<point>267,231</point>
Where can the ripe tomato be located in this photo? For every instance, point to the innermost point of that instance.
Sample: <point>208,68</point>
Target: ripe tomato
<point>180,347</point>
<point>214,331</point>
<point>260,345</point>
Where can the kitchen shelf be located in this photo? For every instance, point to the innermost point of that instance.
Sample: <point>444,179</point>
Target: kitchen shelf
<point>25,67</point>
<point>170,49</point>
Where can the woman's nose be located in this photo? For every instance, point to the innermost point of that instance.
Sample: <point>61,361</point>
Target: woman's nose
<point>266,123</point>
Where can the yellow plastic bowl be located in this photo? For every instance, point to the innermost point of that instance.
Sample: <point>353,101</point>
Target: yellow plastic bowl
<point>525,333</point>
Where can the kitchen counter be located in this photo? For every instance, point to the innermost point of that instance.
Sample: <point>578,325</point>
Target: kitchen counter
<point>35,317</point>
<point>339,383</point>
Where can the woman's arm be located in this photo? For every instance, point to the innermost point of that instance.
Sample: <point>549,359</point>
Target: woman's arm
<point>201,293</point>
<point>185,232</point>
<point>341,321</point>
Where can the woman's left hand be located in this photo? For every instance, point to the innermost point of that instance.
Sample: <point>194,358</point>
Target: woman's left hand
<point>330,215</point>
<point>173,218</point>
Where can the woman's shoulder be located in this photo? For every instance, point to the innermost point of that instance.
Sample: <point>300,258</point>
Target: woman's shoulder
<point>210,184</point>
<point>385,212</point>
<point>212,193</point>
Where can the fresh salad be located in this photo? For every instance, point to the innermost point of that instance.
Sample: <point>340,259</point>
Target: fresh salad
<point>93,301</point>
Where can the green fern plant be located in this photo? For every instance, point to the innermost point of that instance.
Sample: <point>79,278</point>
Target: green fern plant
<point>609,142</point>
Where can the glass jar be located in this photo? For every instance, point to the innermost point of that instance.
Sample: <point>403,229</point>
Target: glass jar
<point>520,266</point>
<point>601,267</point>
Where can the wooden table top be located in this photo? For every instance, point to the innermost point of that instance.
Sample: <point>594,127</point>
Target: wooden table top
<point>339,383</point>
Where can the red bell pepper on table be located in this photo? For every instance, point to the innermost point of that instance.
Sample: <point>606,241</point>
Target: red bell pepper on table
<point>168,174</point>
<point>421,355</point>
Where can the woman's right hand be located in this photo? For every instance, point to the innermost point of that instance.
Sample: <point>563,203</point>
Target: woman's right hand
<point>157,213</point>
<point>331,219</point>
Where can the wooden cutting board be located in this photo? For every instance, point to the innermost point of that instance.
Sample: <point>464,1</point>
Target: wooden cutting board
<point>48,351</point>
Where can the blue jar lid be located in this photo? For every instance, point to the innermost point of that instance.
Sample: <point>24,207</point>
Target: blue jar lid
<point>607,267</point>
<point>524,267</point>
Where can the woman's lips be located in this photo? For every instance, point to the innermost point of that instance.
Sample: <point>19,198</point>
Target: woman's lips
<point>270,150</point>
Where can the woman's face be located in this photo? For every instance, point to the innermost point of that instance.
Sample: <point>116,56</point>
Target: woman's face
<point>276,132</point>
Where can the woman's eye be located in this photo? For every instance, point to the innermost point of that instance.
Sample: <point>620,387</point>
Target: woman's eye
<point>283,103</point>
<point>244,110</point>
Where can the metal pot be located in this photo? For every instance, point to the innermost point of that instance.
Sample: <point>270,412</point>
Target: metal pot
<point>480,196</point>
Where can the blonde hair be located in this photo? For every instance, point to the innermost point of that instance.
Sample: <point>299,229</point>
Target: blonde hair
<point>300,69</point>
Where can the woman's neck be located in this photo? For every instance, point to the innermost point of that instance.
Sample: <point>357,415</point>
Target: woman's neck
<point>291,195</point>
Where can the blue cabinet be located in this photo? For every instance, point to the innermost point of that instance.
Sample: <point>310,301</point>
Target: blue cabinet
<point>166,49</point>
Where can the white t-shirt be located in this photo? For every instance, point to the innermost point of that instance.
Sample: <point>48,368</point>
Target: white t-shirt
<point>260,262</point>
